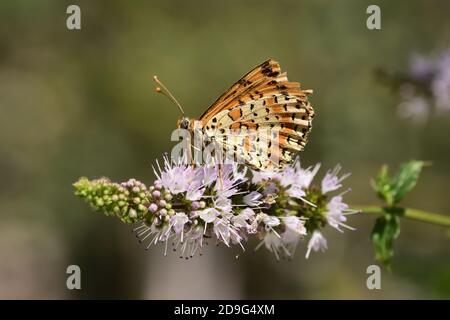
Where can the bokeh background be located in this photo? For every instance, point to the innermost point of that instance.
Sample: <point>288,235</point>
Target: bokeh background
<point>82,103</point>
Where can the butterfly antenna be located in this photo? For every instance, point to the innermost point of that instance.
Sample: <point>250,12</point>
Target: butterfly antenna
<point>162,89</point>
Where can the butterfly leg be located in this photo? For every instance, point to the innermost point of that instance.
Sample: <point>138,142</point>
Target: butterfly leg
<point>219,158</point>
<point>190,157</point>
<point>220,176</point>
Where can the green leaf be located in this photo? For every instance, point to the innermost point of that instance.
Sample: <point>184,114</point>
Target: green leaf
<point>393,189</point>
<point>385,231</point>
<point>406,179</point>
<point>382,185</point>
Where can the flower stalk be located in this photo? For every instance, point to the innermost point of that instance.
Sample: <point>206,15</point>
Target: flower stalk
<point>409,213</point>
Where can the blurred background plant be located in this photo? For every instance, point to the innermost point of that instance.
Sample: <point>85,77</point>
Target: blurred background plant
<point>77,103</point>
<point>424,89</point>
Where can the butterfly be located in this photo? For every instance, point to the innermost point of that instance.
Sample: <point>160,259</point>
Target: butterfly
<point>262,120</point>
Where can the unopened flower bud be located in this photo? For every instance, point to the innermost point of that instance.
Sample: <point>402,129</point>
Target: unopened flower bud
<point>168,197</point>
<point>195,205</point>
<point>158,184</point>
<point>162,203</point>
<point>156,194</point>
<point>132,213</point>
<point>153,207</point>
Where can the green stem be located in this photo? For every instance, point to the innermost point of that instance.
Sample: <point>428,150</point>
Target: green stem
<point>413,214</point>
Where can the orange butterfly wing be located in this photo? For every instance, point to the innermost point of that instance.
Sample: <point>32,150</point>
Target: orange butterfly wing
<point>262,101</point>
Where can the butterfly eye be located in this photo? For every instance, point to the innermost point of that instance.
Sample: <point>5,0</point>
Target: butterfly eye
<point>184,124</point>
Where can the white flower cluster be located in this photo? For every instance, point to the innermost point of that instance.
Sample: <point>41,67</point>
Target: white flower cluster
<point>193,205</point>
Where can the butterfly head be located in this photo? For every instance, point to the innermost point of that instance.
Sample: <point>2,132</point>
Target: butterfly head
<point>184,123</point>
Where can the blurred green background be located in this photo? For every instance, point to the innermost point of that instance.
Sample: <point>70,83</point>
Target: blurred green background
<point>82,103</point>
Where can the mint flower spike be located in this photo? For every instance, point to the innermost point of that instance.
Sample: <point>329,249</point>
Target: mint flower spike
<point>187,207</point>
<point>128,201</point>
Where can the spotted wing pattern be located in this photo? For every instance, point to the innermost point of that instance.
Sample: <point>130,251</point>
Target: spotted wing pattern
<point>262,120</point>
